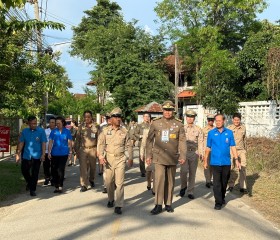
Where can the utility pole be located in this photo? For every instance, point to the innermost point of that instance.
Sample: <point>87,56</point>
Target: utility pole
<point>176,78</point>
<point>45,97</point>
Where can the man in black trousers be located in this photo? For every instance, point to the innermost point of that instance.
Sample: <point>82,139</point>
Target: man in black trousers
<point>220,142</point>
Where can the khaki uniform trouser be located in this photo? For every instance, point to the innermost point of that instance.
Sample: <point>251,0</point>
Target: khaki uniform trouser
<point>188,172</point>
<point>208,173</point>
<point>164,183</point>
<point>87,165</point>
<point>242,172</point>
<point>150,169</point>
<point>114,180</point>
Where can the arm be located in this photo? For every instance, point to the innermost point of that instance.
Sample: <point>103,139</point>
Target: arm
<point>149,144</point>
<point>77,144</point>
<point>206,156</point>
<point>182,145</point>
<point>101,144</point>
<point>129,146</point>
<point>136,133</point>
<point>50,148</point>
<point>200,143</point>
<point>235,157</point>
<point>43,151</point>
<point>18,154</point>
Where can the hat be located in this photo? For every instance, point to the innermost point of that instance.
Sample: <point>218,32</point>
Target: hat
<point>168,105</point>
<point>210,116</point>
<point>116,112</point>
<point>190,113</point>
<point>108,115</point>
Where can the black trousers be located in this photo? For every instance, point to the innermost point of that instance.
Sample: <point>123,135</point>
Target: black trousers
<point>58,165</point>
<point>47,167</point>
<point>30,171</point>
<point>220,179</point>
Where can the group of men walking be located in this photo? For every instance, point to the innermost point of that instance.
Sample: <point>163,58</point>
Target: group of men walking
<point>163,144</point>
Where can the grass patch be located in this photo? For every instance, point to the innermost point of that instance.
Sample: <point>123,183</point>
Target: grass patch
<point>263,167</point>
<point>11,180</point>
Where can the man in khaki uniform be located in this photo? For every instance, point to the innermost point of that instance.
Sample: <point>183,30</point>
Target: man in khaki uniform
<point>112,143</point>
<point>239,132</point>
<point>138,135</point>
<point>208,171</point>
<point>166,146</point>
<point>194,139</point>
<point>86,149</point>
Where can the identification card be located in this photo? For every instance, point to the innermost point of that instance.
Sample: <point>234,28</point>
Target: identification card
<point>92,135</point>
<point>165,136</point>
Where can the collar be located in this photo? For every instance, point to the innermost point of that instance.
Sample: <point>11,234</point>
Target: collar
<point>217,130</point>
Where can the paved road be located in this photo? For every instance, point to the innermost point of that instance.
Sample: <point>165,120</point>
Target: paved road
<point>75,215</point>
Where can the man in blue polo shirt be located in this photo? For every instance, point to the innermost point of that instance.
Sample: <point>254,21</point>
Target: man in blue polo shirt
<point>34,141</point>
<point>220,142</point>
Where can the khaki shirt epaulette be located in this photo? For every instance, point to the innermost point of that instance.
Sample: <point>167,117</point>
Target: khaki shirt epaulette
<point>157,118</point>
<point>178,119</point>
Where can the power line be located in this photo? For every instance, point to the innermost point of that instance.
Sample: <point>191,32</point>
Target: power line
<point>63,20</point>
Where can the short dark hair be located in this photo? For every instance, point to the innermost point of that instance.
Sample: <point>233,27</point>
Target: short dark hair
<point>75,123</point>
<point>62,119</point>
<point>31,118</point>
<point>238,115</point>
<point>220,114</point>
<point>87,111</point>
<point>51,118</point>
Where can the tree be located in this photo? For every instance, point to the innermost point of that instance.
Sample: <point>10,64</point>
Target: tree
<point>252,60</point>
<point>127,59</point>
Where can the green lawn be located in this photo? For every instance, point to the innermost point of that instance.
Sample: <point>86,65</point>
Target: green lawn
<point>11,180</point>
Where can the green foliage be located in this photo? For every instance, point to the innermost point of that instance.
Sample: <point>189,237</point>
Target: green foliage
<point>67,104</point>
<point>11,3</point>
<point>218,76</point>
<point>127,59</point>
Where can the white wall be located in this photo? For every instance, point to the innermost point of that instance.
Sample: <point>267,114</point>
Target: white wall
<point>261,119</point>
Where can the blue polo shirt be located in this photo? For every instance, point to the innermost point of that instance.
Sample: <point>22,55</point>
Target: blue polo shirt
<point>33,140</point>
<point>60,141</point>
<point>220,143</point>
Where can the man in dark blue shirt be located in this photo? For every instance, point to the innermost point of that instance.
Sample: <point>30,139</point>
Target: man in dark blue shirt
<point>34,141</point>
<point>220,142</point>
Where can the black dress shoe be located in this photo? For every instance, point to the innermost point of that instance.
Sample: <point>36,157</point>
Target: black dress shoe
<point>191,196</point>
<point>218,206</point>
<point>104,190</point>
<point>92,184</point>
<point>243,190</point>
<point>157,209</point>
<point>149,188</point>
<point>56,190</point>
<point>224,202</point>
<point>168,208</point>
<point>118,210</point>
<point>230,189</point>
<point>143,175</point>
<point>32,193</point>
<point>110,204</point>
<point>208,185</point>
<point>153,192</point>
<point>83,189</point>
<point>182,192</point>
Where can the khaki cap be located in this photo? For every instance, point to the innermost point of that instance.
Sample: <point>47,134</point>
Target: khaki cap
<point>190,113</point>
<point>116,112</point>
<point>107,115</point>
<point>210,116</point>
<point>168,105</point>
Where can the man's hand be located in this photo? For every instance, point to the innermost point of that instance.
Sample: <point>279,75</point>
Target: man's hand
<point>102,159</point>
<point>18,158</point>
<point>129,163</point>
<point>205,162</point>
<point>149,161</point>
<point>49,156</point>
<point>181,161</point>
<point>237,164</point>
<point>42,158</point>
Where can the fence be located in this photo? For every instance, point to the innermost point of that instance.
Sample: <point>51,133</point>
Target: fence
<point>261,119</point>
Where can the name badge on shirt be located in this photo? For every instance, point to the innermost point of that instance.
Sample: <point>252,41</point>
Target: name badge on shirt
<point>92,135</point>
<point>226,140</point>
<point>172,136</point>
<point>165,136</point>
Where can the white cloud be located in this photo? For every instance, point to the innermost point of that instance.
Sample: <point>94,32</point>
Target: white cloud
<point>148,29</point>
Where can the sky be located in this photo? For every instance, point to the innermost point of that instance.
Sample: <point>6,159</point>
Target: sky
<point>70,13</point>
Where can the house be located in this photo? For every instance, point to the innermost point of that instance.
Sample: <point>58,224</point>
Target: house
<point>153,108</point>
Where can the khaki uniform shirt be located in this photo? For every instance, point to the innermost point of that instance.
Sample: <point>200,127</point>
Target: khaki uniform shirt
<point>138,133</point>
<point>166,142</point>
<point>115,142</point>
<point>239,136</point>
<point>194,138</point>
<point>87,137</point>
<point>205,132</point>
